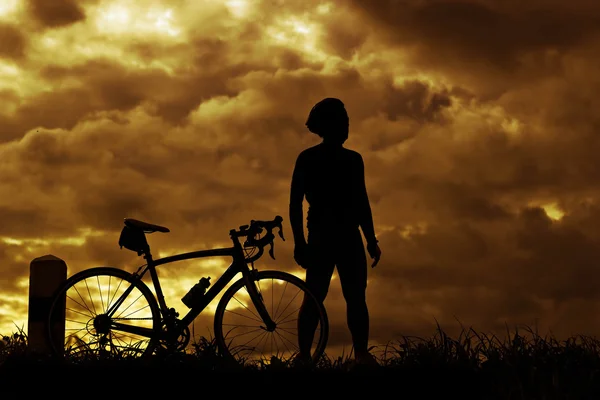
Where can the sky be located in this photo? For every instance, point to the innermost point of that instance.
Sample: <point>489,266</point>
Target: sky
<point>478,122</point>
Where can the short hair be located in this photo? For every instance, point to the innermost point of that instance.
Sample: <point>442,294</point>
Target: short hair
<point>325,114</point>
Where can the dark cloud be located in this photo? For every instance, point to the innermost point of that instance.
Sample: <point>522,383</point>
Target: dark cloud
<point>56,13</point>
<point>516,271</point>
<point>13,42</point>
<point>18,220</point>
<point>488,47</point>
<point>478,31</point>
<point>414,99</point>
<point>108,86</point>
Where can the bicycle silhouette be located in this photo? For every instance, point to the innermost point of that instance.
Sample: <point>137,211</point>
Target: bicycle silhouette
<point>111,324</point>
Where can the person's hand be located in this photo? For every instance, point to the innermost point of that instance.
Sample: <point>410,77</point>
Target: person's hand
<point>301,254</point>
<point>375,253</point>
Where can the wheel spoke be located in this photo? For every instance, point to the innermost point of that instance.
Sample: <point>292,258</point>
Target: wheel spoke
<point>92,301</point>
<point>279,302</point>
<point>97,335</point>
<point>83,300</point>
<point>284,305</point>
<point>245,316</point>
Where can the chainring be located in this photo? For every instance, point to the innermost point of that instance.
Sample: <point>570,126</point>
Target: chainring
<point>179,343</point>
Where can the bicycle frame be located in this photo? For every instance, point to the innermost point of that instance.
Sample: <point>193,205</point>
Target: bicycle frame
<point>239,264</point>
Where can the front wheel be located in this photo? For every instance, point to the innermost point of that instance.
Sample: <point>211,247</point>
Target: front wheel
<point>240,332</point>
<point>108,313</point>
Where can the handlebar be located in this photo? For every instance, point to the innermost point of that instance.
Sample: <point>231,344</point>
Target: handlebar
<point>254,229</point>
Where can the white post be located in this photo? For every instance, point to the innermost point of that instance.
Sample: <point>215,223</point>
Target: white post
<point>46,274</point>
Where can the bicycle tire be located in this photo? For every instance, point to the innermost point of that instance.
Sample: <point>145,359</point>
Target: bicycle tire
<point>107,272</point>
<point>263,275</point>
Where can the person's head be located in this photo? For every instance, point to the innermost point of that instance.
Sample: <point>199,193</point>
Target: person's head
<point>329,119</point>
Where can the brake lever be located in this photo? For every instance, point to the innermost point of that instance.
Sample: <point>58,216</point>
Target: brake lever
<point>271,250</point>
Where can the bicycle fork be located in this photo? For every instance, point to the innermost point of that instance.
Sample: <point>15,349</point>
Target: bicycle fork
<point>257,300</point>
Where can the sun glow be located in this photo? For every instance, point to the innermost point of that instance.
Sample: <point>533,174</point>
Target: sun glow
<point>118,19</point>
<point>30,244</point>
<point>302,35</point>
<point>401,80</point>
<point>116,15</point>
<point>8,8</point>
<point>238,8</point>
<point>300,27</point>
<point>512,126</point>
<point>298,273</point>
<point>13,307</point>
<point>415,229</point>
<point>14,79</point>
<point>324,8</point>
<point>9,70</point>
<point>553,211</point>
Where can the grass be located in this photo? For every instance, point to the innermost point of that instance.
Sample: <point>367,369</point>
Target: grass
<point>523,365</point>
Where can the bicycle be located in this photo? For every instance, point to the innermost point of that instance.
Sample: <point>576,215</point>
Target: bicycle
<point>108,323</point>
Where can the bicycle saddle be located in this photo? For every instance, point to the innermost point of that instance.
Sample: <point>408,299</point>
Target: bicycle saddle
<point>145,226</point>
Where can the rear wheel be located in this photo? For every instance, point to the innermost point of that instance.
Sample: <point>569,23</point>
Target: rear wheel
<point>240,332</point>
<point>96,325</point>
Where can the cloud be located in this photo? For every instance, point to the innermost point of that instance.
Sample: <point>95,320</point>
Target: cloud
<point>56,14</point>
<point>482,30</point>
<point>12,42</point>
<point>484,45</point>
<point>477,123</point>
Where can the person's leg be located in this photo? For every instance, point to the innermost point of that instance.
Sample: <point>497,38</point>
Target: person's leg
<point>352,269</point>
<point>318,278</point>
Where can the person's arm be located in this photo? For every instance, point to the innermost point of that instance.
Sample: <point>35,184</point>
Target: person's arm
<point>364,207</point>
<point>296,200</point>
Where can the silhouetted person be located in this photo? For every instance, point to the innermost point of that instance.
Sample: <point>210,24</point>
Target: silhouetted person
<point>333,181</point>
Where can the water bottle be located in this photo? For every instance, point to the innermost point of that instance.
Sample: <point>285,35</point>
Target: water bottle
<point>196,292</point>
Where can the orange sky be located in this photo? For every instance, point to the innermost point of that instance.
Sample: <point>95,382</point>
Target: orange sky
<point>477,122</point>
